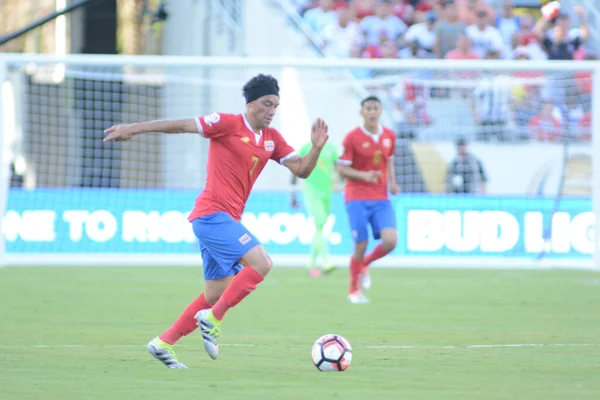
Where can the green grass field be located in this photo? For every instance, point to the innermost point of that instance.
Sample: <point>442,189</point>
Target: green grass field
<point>80,333</point>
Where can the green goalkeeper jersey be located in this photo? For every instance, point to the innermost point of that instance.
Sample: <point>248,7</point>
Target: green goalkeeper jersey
<point>321,179</point>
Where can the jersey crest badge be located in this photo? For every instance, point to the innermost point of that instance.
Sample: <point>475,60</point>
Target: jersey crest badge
<point>245,139</point>
<point>269,145</point>
<point>366,145</point>
<point>212,118</point>
<point>387,142</point>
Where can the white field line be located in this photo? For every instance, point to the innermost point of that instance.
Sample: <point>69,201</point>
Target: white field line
<point>487,346</point>
<point>399,347</point>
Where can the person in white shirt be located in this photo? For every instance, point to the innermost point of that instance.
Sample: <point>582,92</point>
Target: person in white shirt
<point>383,23</point>
<point>490,105</point>
<point>340,36</point>
<point>423,33</point>
<point>507,23</point>
<point>317,18</point>
<point>484,36</point>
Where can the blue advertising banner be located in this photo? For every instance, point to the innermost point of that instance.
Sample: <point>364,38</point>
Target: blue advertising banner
<point>155,221</point>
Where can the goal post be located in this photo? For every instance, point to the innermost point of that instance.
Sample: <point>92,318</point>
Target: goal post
<point>70,199</point>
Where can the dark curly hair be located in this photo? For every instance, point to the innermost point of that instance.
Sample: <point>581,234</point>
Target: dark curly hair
<point>258,80</point>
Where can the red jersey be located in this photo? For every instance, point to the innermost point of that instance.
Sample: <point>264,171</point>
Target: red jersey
<point>366,152</point>
<point>236,157</point>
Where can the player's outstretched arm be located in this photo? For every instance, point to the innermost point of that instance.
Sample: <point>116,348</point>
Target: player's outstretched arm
<point>123,132</point>
<point>303,166</point>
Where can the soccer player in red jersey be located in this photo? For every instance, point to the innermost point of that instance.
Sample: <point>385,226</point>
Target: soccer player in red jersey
<point>234,261</point>
<point>368,166</point>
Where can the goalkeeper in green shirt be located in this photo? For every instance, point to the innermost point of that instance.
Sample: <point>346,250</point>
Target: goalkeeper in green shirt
<point>318,188</point>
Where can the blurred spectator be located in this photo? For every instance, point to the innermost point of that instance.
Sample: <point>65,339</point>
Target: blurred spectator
<point>423,33</point>
<point>389,49</point>
<point>383,23</point>
<point>425,6</point>
<point>527,38</point>
<point>468,11</point>
<point>410,107</point>
<point>584,79</point>
<point>363,8</point>
<point>585,128</point>
<point>484,36</point>
<point>404,10</point>
<point>525,106</point>
<point>319,17</point>
<point>465,172</point>
<point>572,110</point>
<point>507,23</point>
<point>447,31</point>
<point>414,50</point>
<point>341,35</point>
<point>561,42</point>
<point>490,105</point>
<point>545,127</point>
<point>463,50</point>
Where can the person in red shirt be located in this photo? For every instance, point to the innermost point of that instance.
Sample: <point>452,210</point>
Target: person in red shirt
<point>545,127</point>
<point>367,164</point>
<point>234,261</point>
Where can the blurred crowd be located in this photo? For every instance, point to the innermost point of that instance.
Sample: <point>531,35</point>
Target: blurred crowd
<point>468,29</point>
<point>450,29</point>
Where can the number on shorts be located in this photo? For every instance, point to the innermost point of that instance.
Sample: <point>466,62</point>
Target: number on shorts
<point>255,161</point>
<point>377,157</point>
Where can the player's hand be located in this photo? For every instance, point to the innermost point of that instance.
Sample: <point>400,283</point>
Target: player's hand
<point>318,134</point>
<point>372,176</point>
<point>394,188</point>
<point>579,11</point>
<point>119,133</point>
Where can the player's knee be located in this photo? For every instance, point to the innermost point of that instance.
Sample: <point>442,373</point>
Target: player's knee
<point>390,240</point>
<point>259,260</point>
<point>263,265</point>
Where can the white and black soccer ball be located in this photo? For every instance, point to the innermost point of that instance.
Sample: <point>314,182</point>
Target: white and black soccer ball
<point>331,353</point>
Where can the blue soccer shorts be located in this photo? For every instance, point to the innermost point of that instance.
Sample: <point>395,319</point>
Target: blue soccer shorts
<point>223,241</point>
<point>378,213</point>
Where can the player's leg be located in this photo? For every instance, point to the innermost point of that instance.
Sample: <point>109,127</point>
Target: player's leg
<point>383,222</point>
<point>318,209</point>
<point>358,220</point>
<point>327,266</point>
<point>162,347</point>
<point>232,246</point>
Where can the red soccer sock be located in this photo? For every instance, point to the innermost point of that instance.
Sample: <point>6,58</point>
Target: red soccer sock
<point>355,267</point>
<point>186,323</point>
<point>377,253</point>
<point>241,286</point>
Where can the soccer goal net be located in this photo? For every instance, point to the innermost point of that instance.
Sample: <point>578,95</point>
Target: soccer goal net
<point>494,158</point>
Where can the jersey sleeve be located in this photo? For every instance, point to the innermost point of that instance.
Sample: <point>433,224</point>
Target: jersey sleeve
<point>347,156</point>
<point>215,125</point>
<point>283,151</point>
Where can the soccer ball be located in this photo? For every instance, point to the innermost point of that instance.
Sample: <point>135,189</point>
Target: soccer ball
<point>331,353</point>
